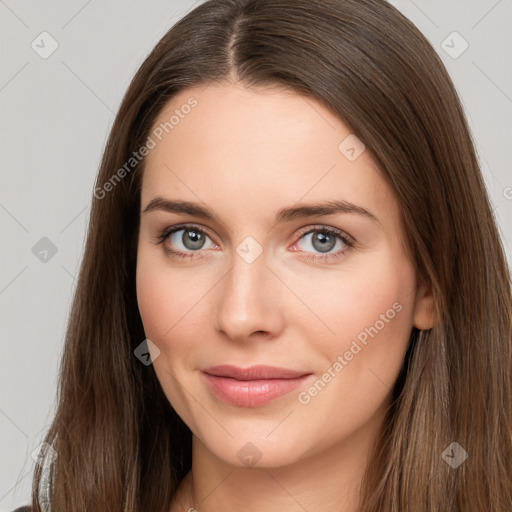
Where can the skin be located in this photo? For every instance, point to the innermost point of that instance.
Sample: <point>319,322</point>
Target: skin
<point>245,154</point>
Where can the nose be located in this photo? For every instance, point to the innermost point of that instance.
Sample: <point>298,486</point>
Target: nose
<point>250,303</point>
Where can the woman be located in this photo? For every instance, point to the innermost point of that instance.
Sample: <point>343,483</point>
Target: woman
<point>293,293</point>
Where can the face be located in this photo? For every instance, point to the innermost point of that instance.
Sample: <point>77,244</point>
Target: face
<point>247,275</point>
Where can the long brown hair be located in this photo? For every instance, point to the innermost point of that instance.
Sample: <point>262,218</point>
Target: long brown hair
<point>121,447</point>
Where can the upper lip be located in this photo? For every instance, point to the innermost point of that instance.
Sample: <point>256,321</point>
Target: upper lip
<point>257,372</point>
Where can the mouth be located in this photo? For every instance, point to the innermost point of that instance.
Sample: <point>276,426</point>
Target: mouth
<point>253,386</point>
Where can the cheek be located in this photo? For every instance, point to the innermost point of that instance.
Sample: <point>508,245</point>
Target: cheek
<point>363,298</point>
<point>166,304</point>
<point>372,320</point>
<point>369,313</point>
<point>173,305</point>
<point>165,297</point>
<point>155,300</point>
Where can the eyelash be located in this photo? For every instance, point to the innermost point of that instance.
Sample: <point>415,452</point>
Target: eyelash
<point>346,239</point>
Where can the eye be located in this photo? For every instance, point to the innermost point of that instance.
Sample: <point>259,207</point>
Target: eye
<point>188,240</point>
<point>324,239</point>
<point>184,240</point>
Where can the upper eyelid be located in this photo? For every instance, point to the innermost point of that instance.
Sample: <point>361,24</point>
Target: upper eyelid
<point>179,227</point>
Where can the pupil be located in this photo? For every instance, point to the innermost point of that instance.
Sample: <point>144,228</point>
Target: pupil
<point>326,242</point>
<point>192,239</point>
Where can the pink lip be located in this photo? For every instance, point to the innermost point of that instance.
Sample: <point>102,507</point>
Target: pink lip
<point>250,387</point>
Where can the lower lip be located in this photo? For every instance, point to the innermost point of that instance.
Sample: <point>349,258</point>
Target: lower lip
<point>252,393</point>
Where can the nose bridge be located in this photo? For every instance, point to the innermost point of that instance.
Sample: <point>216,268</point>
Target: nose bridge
<point>247,302</point>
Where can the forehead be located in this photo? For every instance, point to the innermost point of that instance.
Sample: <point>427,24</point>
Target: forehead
<point>258,145</point>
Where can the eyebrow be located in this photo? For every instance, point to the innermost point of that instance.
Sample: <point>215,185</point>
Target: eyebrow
<point>283,215</point>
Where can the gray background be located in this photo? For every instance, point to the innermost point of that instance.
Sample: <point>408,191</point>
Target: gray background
<point>56,114</point>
